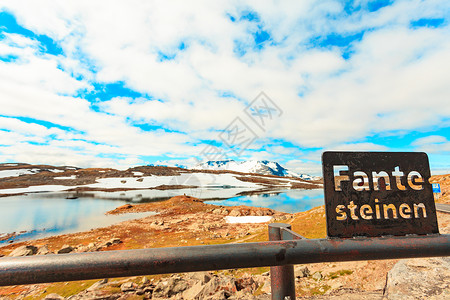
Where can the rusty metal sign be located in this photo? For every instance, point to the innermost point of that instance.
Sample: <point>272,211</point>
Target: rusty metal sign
<point>378,194</point>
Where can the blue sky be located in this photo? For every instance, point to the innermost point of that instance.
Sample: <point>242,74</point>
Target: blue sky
<point>109,84</point>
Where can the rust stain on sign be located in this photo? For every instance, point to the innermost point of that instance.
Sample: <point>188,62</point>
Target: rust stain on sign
<point>378,193</point>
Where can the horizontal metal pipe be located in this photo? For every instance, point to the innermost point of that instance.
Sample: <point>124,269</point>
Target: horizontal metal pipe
<point>121,263</point>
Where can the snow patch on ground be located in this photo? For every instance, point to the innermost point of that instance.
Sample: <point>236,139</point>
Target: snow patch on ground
<point>56,171</point>
<point>251,166</point>
<point>37,188</point>
<point>248,219</point>
<point>17,172</point>
<point>194,179</point>
<point>66,177</point>
<point>135,173</point>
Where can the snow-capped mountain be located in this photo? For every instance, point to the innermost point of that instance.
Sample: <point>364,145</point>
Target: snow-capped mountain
<point>263,167</point>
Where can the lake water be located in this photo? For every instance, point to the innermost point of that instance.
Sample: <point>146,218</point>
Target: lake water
<point>47,214</point>
<point>42,215</point>
<point>289,201</point>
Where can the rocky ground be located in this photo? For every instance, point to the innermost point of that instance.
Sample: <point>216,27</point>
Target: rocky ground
<point>186,221</point>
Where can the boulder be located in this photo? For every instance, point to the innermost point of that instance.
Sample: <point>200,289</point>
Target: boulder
<point>82,248</point>
<point>148,289</point>
<point>160,290</point>
<point>97,285</point>
<point>419,278</point>
<point>89,248</point>
<point>140,292</point>
<point>65,249</point>
<point>235,213</point>
<point>247,284</point>
<point>241,295</point>
<point>173,286</point>
<point>218,283</point>
<point>220,295</point>
<point>217,211</point>
<point>194,292</point>
<point>113,241</point>
<point>317,276</point>
<point>43,250</point>
<point>176,285</point>
<point>203,277</point>
<point>54,296</point>
<point>24,251</point>
<point>128,287</point>
<point>265,287</point>
<point>92,247</point>
<point>301,272</point>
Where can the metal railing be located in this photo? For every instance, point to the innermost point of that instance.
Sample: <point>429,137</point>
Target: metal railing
<point>280,254</point>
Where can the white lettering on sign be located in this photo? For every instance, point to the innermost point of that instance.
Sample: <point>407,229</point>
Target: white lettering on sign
<point>381,180</point>
<point>380,211</point>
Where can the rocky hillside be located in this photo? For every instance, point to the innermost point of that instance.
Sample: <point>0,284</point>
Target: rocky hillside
<point>22,178</point>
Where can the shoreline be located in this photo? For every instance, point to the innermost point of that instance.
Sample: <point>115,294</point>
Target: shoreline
<point>168,211</point>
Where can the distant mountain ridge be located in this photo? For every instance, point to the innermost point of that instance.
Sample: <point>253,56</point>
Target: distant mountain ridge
<point>263,167</point>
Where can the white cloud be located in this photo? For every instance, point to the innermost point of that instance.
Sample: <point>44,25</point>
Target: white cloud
<point>395,79</point>
<point>432,139</point>
<point>17,40</point>
<point>25,128</point>
<point>305,167</point>
<point>432,144</point>
<point>48,154</point>
<point>358,147</point>
<point>311,162</point>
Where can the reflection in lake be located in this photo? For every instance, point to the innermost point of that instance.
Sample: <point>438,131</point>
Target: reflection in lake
<point>289,201</point>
